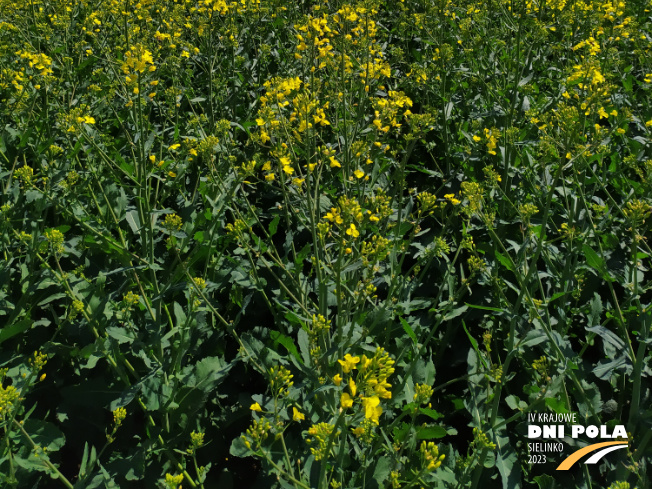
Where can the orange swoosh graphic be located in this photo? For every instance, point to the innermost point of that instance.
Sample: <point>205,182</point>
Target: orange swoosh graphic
<point>575,456</point>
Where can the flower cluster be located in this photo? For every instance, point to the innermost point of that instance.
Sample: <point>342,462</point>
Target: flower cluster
<point>430,456</point>
<point>256,433</point>
<point>322,436</point>
<point>371,381</point>
<point>55,239</point>
<point>280,381</point>
<point>8,397</point>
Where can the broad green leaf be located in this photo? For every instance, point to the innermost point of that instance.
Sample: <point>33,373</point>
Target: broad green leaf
<point>238,448</point>
<point>381,470</point>
<point>605,370</point>
<point>608,336</point>
<point>430,432</point>
<point>14,329</point>
<point>507,463</point>
<point>286,341</point>
<point>557,405</point>
<point>125,397</point>
<point>121,335</point>
<point>435,415</point>
<point>596,310</point>
<point>208,372</point>
<point>532,338</point>
<point>489,460</point>
<point>400,432</point>
<point>512,401</point>
<point>44,434</point>
<point>134,221</point>
<point>593,259</point>
<point>545,481</point>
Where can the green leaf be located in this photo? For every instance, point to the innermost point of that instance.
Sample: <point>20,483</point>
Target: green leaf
<point>285,485</point>
<point>474,343</point>
<point>507,463</point>
<point>238,448</point>
<point>286,341</point>
<point>596,310</point>
<point>273,226</point>
<point>14,329</point>
<point>506,262</point>
<point>627,83</point>
<point>608,336</point>
<point>483,308</point>
<point>408,330</point>
<point>51,298</point>
<point>121,335</point>
<point>294,319</point>
<point>304,345</point>
<point>400,432</point>
<point>134,221</point>
<point>593,259</point>
<point>455,313</point>
<point>557,296</point>
<point>179,314</point>
<point>131,466</point>
<point>88,460</point>
<point>534,337</point>
<point>208,373</point>
<point>301,255</point>
<point>382,470</point>
<point>125,397</point>
<point>45,434</point>
<point>556,405</point>
<point>32,462</point>
<point>545,481</point>
<point>489,460</point>
<point>102,479</point>
<point>605,370</point>
<point>430,432</point>
<point>512,402</point>
<point>431,413</point>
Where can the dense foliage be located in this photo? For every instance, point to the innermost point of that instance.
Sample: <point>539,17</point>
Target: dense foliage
<point>322,244</point>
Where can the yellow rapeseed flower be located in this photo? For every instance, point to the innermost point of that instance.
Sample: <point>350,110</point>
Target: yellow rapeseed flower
<point>353,231</point>
<point>348,363</point>
<point>372,410</point>
<point>346,401</point>
<point>297,415</point>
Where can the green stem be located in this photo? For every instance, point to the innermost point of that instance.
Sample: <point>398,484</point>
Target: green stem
<point>47,463</point>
